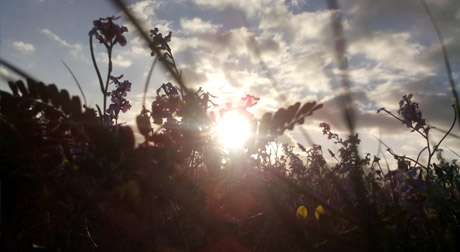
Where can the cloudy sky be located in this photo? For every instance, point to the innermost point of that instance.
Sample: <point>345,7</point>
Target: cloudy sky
<point>281,51</point>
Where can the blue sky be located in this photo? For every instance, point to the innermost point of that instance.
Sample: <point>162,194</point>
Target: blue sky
<point>392,50</point>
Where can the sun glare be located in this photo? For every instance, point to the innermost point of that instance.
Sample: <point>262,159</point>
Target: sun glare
<point>233,130</point>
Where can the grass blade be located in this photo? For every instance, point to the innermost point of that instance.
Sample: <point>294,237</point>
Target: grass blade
<point>445,57</point>
<point>76,81</point>
<point>145,36</point>
<point>147,81</point>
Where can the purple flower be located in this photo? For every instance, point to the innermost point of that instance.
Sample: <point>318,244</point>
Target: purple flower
<point>118,96</point>
<point>411,114</point>
<point>108,32</point>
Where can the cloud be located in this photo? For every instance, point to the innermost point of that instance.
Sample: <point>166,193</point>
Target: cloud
<point>433,96</point>
<point>197,25</point>
<point>366,116</point>
<point>23,47</point>
<point>394,50</point>
<point>145,9</point>
<point>193,77</point>
<point>370,18</point>
<point>121,61</point>
<point>75,49</point>
<point>250,7</point>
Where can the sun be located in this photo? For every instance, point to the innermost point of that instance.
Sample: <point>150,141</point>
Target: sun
<point>233,130</point>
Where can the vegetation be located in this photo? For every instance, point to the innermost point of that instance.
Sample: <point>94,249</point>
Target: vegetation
<point>73,178</point>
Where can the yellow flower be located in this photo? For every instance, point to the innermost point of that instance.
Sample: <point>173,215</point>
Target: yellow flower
<point>302,212</point>
<point>319,211</point>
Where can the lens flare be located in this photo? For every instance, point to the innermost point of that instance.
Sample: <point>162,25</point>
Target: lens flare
<point>233,130</point>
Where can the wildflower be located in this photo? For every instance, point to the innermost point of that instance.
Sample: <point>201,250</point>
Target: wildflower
<point>302,212</point>
<point>159,41</point>
<point>319,211</point>
<point>108,32</point>
<point>118,96</point>
<point>411,114</point>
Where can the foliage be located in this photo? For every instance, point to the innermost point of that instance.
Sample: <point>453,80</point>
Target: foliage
<point>71,181</point>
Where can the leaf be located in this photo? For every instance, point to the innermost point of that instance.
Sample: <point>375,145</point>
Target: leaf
<point>75,105</point>
<point>292,110</point>
<point>33,88</point>
<point>14,88</point>
<point>53,94</point>
<point>318,106</point>
<point>306,108</point>
<point>65,101</point>
<point>302,212</point>
<point>279,119</point>
<point>265,123</point>
<point>22,88</point>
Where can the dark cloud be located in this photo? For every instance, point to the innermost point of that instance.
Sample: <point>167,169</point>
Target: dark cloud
<point>432,94</point>
<point>365,113</point>
<point>192,77</point>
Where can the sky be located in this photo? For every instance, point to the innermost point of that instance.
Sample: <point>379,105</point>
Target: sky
<point>280,51</point>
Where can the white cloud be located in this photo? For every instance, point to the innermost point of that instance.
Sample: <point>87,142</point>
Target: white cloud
<point>75,48</point>
<point>250,7</point>
<point>145,9</point>
<point>23,47</point>
<point>395,50</point>
<point>197,25</point>
<point>121,61</point>
<point>118,60</point>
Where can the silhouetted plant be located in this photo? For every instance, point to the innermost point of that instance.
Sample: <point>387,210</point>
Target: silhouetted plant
<point>71,183</point>
<point>109,34</point>
<point>412,117</point>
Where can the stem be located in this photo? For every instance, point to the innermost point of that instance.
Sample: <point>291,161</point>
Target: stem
<point>101,84</point>
<point>389,150</point>
<point>430,153</point>
<point>109,72</point>
<point>435,148</point>
<point>402,121</point>
<point>420,153</point>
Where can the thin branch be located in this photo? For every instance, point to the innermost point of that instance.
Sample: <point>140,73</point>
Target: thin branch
<point>398,156</point>
<point>403,122</point>
<point>420,153</point>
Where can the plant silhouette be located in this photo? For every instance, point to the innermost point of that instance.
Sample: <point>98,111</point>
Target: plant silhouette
<point>73,178</point>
